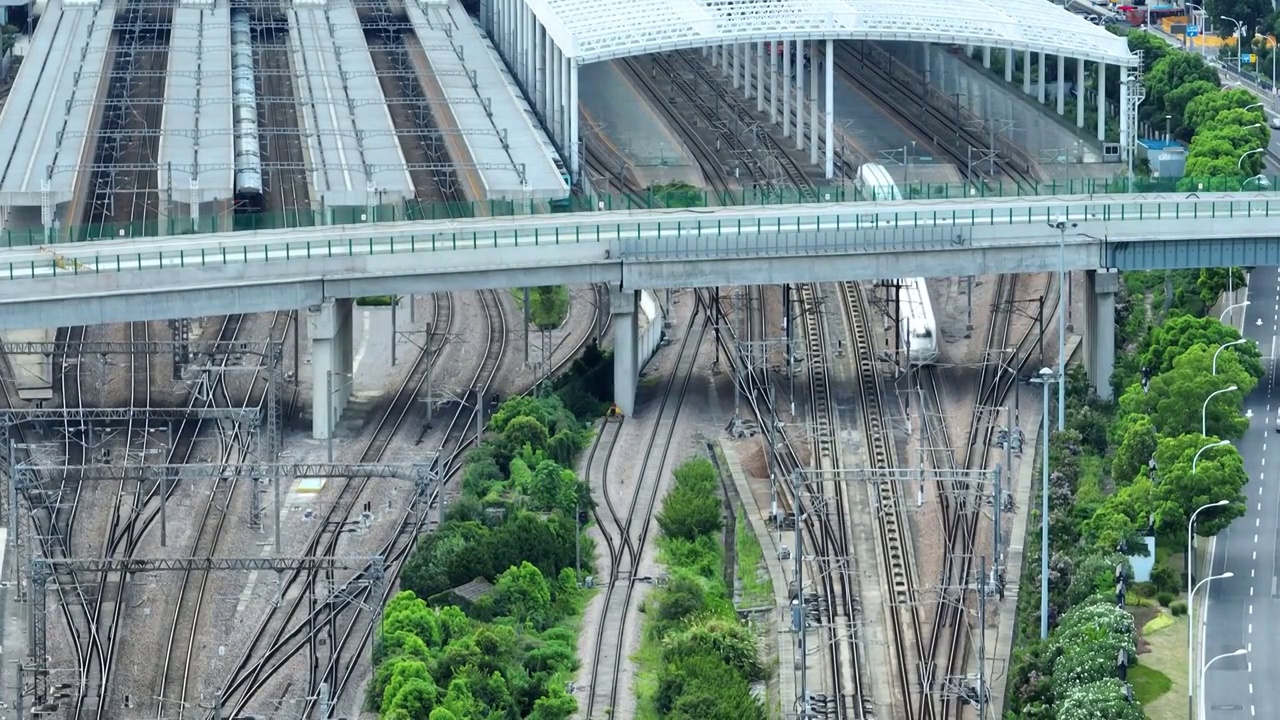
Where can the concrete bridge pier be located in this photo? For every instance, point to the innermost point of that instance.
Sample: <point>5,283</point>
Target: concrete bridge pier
<point>1100,328</point>
<point>624,305</point>
<point>329,327</point>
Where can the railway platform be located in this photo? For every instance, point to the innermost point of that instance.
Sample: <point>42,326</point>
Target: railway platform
<point>491,132</point>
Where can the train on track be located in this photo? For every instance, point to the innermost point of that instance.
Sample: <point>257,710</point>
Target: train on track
<point>245,100</point>
<point>917,328</point>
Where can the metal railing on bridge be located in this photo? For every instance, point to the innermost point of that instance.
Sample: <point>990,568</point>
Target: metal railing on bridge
<point>425,210</point>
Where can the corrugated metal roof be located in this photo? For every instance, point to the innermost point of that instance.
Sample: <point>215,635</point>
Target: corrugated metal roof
<point>50,128</point>
<point>197,132</point>
<point>326,46</point>
<point>526,143</point>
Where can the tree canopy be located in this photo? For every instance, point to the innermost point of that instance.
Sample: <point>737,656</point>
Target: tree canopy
<point>506,654</point>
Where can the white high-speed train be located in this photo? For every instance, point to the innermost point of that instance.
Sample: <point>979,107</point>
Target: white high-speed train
<point>917,330</point>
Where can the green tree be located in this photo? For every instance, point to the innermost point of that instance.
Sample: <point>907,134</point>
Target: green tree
<point>1219,475</point>
<point>1179,334</point>
<point>1203,109</point>
<point>1170,72</point>
<point>524,594</point>
<point>1136,447</point>
<point>726,639</point>
<point>1175,104</point>
<point>410,687</point>
<point>1176,397</point>
<point>555,705</point>
<point>525,431</point>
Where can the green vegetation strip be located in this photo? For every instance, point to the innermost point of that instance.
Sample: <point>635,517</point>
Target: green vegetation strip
<point>485,625</point>
<point>697,661</point>
<point>548,305</point>
<point>1105,494</point>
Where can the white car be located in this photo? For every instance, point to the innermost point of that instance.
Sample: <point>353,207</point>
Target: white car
<point>1275,122</point>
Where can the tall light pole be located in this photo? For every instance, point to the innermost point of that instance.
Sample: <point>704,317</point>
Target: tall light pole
<point>1220,349</point>
<point>1239,35</point>
<point>1204,409</point>
<point>1191,636</point>
<point>1205,670</point>
<point>1223,317</point>
<point>1046,377</point>
<point>1194,462</point>
<point>1193,6</point>
<point>1061,226</point>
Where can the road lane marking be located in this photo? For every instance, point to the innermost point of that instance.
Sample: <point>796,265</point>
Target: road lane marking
<point>1250,629</point>
<point>1257,522</point>
<point>1251,612</point>
<point>1255,554</point>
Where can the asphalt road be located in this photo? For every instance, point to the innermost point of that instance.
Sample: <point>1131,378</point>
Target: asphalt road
<point>1243,610</point>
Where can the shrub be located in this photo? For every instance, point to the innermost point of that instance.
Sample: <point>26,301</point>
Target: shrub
<point>1164,598</point>
<point>1146,589</point>
<point>1178,608</point>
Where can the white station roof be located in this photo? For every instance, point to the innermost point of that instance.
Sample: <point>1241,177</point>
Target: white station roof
<point>595,30</point>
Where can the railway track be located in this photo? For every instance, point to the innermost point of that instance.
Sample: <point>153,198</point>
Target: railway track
<point>626,529</point>
<point>827,531</point>
<point>286,632</point>
<point>279,137</point>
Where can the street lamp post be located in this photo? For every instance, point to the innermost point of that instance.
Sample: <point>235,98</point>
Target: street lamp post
<point>1197,8</point>
<point>1191,634</point>
<point>1239,36</point>
<point>1220,349</point>
<point>1061,226</point>
<point>1247,153</point>
<point>1046,377</point>
<point>1204,409</point>
<point>1205,670</point>
<point>1194,461</point>
<point>1223,317</point>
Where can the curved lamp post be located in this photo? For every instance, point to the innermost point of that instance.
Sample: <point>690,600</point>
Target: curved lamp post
<point>1204,670</point>
<point>1191,634</point>
<point>1204,409</point>
<point>1220,349</point>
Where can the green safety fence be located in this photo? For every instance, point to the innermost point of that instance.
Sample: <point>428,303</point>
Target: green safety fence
<point>424,210</point>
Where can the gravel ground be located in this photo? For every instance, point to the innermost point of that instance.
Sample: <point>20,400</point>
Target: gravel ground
<point>561,343</point>
<point>628,457</point>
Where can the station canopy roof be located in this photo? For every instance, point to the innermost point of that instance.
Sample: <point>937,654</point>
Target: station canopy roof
<point>595,30</point>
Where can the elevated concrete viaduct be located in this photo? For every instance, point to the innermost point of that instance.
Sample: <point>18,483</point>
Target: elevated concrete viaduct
<point>192,275</point>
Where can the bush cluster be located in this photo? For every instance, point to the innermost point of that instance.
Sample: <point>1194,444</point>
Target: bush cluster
<point>708,660</point>
<point>510,651</point>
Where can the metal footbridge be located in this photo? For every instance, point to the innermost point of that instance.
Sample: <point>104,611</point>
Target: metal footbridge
<point>196,275</point>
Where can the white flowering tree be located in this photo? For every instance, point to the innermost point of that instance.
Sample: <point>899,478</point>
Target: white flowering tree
<point>1102,700</point>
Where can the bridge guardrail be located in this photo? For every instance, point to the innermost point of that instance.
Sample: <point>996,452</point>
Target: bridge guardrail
<point>441,211</point>
<point>731,230</point>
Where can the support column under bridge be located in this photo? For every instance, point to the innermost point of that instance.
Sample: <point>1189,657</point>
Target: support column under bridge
<point>1100,328</point>
<point>329,327</point>
<point>624,305</point>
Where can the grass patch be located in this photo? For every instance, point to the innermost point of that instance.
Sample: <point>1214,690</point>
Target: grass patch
<point>1157,623</point>
<point>1148,683</point>
<point>1166,655</point>
<point>757,588</point>
<point>548,305</point>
